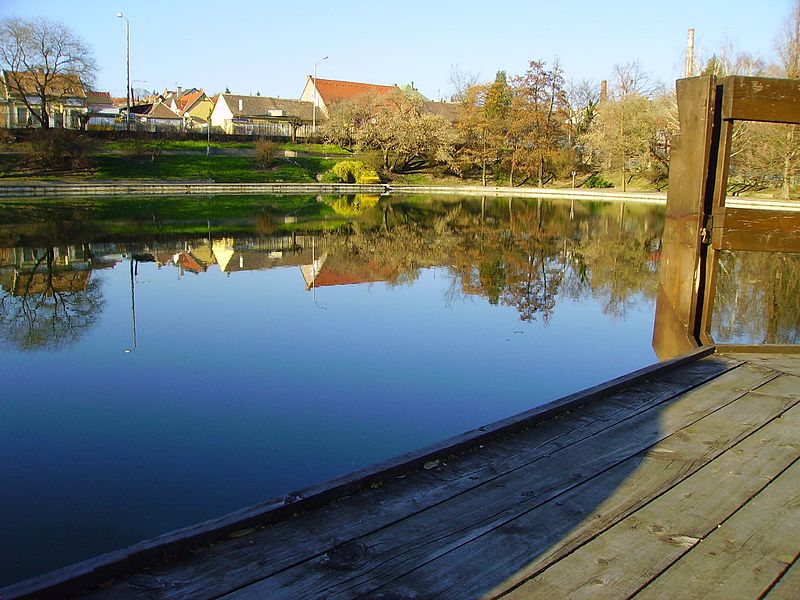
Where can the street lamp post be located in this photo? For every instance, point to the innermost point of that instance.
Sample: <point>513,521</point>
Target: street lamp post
<point>128,90</point>
<point>314,109</point>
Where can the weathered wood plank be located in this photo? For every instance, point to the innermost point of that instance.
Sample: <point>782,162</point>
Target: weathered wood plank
<point>215,569</point>
<point>788,586</point>
<point>788,363</point>
<point>625,557</point>
<point>415,541</point>
<point>545,535</point>
<point>761,99</point>
<point>747,229</point>
<point>743,557</point>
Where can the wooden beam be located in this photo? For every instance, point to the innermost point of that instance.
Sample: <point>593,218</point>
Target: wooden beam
<point>761,99</point>
<point>745,229</point>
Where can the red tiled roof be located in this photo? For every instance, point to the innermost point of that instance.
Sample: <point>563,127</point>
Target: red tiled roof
<point>332,90</point>
<point>187,100</point>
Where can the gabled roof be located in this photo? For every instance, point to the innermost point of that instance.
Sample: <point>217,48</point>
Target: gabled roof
<point>333,90</point>
<point>263,106</point>
<point>68,86</point>
<point>159,110</point>
<point>162,111</point>
<point>448,110</point>
<point>188,100</point>
<point>94,98</point>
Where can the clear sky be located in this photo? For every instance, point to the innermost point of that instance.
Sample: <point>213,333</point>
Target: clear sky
<point>269,47</point>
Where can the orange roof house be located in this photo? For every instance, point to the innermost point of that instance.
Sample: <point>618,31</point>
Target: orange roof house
<point>331,91</point>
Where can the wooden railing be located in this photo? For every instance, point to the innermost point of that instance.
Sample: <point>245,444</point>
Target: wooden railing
<point>698,223</point>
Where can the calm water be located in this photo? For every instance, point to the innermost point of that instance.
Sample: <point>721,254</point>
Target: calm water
<point>158,372</point>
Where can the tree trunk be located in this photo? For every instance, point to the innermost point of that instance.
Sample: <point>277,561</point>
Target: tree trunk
<point>541,171</point>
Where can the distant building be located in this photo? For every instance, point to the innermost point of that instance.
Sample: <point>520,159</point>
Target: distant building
<point>262,115</point>
<point>101,112</point>
<point>155,117</point>
<point>330,91</point>
<point>66,105</point>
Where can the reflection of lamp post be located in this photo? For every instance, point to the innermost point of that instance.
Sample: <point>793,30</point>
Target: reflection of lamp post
<point>128,90</point>
<point>314,109</point>
<point>133,305</point>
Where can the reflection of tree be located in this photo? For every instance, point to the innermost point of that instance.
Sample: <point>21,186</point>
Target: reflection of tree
<point>756,298</point>
<point>620,267</point>
<point>49,307</point>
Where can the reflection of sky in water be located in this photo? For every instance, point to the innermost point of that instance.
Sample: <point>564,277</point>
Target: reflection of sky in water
<point>242,388</point>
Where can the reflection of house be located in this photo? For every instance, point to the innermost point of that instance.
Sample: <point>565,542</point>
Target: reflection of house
<point>326,272</point>
<point>44,282</point>
<point>261,115</point>
<point>66,104</point>
<point>331,91</point>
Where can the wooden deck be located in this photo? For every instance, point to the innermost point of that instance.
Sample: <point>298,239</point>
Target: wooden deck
<point>684,484</point>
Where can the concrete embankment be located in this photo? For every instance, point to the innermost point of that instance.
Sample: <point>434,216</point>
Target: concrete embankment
<point>32,189</point>
<point>110,188</point>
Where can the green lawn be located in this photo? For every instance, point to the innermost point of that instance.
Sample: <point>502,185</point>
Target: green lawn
<point>224,169</point>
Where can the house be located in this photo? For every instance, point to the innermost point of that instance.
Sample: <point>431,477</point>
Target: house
<point>326,92</point>
<point>194,106</point>
<point>101,112</point>
<point>261,115</point>
<point>155,117</point>
<point>66,100</point>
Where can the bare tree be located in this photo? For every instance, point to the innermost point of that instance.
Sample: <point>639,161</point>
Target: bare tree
<point>44,62</point>
<point>787,43</point>
<point>631,78</point>
<point>461,81</point>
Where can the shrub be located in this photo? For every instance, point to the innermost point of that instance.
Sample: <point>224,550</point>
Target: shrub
<point>595,181</point>
<point>60,149</point>
<point>265,152</point>
<point>354,171</point>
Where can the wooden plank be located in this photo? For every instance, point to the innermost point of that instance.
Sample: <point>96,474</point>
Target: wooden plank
<point>788,586</point>
<point>547,534</point>
<point>787,363</point>
<point>236,563</point>
<point>625,557</point>
<point>761,99</point>
<point>742,557</point>
<point>115,564</point>
<point>426,536</point>
<point>748,229</point>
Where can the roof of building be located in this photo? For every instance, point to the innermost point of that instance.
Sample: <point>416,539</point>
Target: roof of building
<point>160,110</point>
<point>448,110</point>
<point>263,106</point>
<point>333,90</point>
<point>94,98</point>
<point>59,85</point>
<point>188,100</point>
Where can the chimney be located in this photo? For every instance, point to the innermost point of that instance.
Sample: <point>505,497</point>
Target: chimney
<point>240,105</point>
<point>178,91</point>
<point>689,71</point>
<point>603,90</point>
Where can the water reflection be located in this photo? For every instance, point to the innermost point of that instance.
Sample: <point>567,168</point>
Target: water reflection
<point>48,297</point>
<point>757,298</point>
<point>440,316</point>
<point>520,254</point>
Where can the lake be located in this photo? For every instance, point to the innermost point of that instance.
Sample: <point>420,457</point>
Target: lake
<point>170,360</point>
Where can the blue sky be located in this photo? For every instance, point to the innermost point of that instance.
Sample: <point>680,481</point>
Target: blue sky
<point>269,47</point>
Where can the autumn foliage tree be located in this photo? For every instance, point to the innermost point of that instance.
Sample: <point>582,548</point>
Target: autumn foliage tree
<point>539,112</point>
